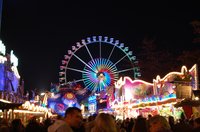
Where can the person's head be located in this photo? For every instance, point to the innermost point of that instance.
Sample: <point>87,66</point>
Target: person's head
<point>73,117</point>
<point>91,118</point>
<point>149,116</point>
<point>3,121</point>
<point>158,123</point>
<point>140,125</point>
<point>104,123</point>
<point>16,125</point>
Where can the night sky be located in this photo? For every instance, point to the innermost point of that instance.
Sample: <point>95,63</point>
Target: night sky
<point>41,31</point>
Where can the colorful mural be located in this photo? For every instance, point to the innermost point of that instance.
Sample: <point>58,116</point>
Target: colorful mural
<point>130,89</point>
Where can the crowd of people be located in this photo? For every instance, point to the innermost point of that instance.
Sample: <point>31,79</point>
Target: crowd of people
<point>102,122</point>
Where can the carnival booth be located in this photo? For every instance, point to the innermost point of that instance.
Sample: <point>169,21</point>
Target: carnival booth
<point>137,97</point>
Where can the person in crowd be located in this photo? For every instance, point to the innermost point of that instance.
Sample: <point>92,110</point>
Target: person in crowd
<point>71,122</point>
<point>182,124</point>
<point>104,123</point>
<point>130,125</point>
<point>118,123</point>
<point>191,123</point>
<point>196,125</point>
<point>158,123</point>
<point>140,125</point>
<point>17,126</point>
<point>33,126</point>
<point>149,116</point>
<point>4,127</point>
<point>46,123</point>
<point>124,124</point>
<point>171,122</point>
<point>90,123</point>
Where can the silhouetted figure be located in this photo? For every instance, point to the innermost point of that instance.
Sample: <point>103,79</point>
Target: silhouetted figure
<point>171,122</point>
<point>196,125</point>
<point>130,125</point>
<point>17,126</point>
<point>182,125</point>
<point>140,125</point>
<point>33,126</point>
<point>47,123</point>
<point>4,125</point>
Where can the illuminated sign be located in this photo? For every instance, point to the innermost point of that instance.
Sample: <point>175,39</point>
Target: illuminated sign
<point>13,59</point>
<point>2,48</point>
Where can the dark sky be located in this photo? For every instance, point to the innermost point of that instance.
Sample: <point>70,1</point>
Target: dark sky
<point>41,31</point>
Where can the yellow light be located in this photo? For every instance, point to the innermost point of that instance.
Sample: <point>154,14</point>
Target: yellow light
<point>27,111</point>
<point>5,101</point>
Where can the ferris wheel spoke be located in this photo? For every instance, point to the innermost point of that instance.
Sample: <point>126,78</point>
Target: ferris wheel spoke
<point>124,70</point>
<point>104,84</point>
<point>119,61</point>
<point>115,79</point>
<point>100,49</point>
<point>94,64</point>
<point>100,53</point>
<point>77,70</point>
<point>88,51</point>
<point>75,81</point>
<point>111,67</point>
<point>95,88</point>
<point>111,53</point>
<point>83,62</point>
<point>89,84</point>
<point>99,84</point>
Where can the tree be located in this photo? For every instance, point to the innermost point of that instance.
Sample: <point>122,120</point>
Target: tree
<point>154,60</point>
<point>189,58</point>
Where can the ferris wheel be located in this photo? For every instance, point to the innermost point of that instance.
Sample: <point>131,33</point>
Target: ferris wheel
<point>96,63</point>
